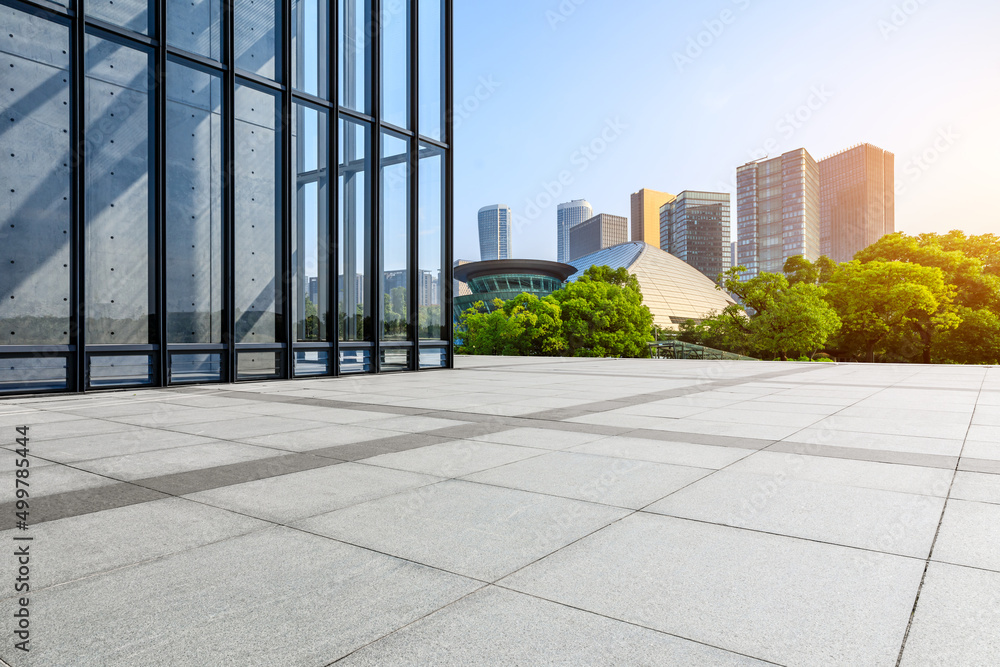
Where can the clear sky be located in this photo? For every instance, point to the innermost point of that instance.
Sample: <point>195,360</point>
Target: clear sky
<point>539,81</point>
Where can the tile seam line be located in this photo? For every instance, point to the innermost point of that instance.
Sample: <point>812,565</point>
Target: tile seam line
<point>937,533</point>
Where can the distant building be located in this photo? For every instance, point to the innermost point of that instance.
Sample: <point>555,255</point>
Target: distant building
<point>312,292</point>
<point>695,228</point>
<point>429,294</point>
<point>646,206</point>
<point>857,200</point>
<point>778,211</point>
<point>506,279</point>
<point>494,232</point>
<point>601,231</point>
<point>673,290</point>
<point>460,288</point>
<point>568,216</point>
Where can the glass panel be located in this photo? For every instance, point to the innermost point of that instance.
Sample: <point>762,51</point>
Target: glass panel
<point>311,46</point>
<point>35,217</point>
<point>395,241</point>
<point>431,236</point>
<point>194,206</point>
<point>24,374</point>
<point>196,367</point>
<point>121,370</point>
<point>119,194</point>
<point>355,243</point>
<point>355,54</point>
<point>396,63</point>
<point>258,217</point>
<point>310,242</point>
<point>355,361</point>
<point>433,357</point>
<point>258,365</point>
<point>257,27</point>
<point>312,362</point>
<point>195,26</point>
<point>135,15</point>
<point>432,68</point>
<point>395,359</point>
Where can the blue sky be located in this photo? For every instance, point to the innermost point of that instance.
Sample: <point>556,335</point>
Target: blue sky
<point>616,96</point>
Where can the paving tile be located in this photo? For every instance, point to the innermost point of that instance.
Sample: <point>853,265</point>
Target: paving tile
<point>982,449</point>
<point>178,459</point>
<point>247,427</point>
<point>71,450</point>
<point>956,619</point>
<point>677,453</point>
<point>969,535</point>
<point>881,441</point>
<point>47,480</point>
<point>274,597</point>
<point>597,479</point>
<point>302,494</point>
<point>85,545</point>
<point>978,487</point>
<point>540,438</point>
<point>897,523</point>
<point>479,531</point>
<point>777,598</point>
<point>79,502</point>
<point>954,430</point>
<point>327,435</point>
<point>455,459</point>
<point>411,424</point>
<point>495,626</point>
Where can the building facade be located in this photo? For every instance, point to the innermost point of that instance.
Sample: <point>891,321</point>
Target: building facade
<point>494,232</point>
<point>857,200</point>
<point>506,279</point>
<point>695,228</point>
<point>601,231</point>
<point>778,212</point>
<point>646,205</point>
<point>570,215</point>
<point>180,172</point>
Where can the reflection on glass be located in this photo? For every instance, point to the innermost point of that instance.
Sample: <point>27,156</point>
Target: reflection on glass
<point>355,242</point>
<point>257,27</point>
<point>395,241</point>
<point>396,62</point>
<point>34,169</point>
<point>431,42</point>
<point>311,46</point>
<point>195,26</point>
<point>194,205</point>
<point>258,217</point>
<point>355,54</point>
<point>132,14</point>
<point>118,195</point>
<point>311,227</point>
<point>430,223</point>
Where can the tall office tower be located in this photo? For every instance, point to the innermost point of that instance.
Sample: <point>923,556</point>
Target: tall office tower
<point>568,216</point>
<point>494,232</point>
<point>461,288</point>
<point>600,232</point>
<point>695,227</point>
<point>857,200</point>
<point>778,211</point>
<point>646,206</point>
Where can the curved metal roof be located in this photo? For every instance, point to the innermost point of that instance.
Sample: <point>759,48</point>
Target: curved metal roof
<point>494,267</point>
<point>673,289</point>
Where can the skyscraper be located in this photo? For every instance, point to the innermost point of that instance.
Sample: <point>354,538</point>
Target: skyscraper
<point>646,206</point>
<point>494,232</point>
<point>857,200</point>
<point>600,232</point>
<point>695,228</point>
<point>778,211</point>
<point>570,215</point>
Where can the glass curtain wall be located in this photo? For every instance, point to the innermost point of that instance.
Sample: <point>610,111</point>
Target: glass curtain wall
<point>171,214</point>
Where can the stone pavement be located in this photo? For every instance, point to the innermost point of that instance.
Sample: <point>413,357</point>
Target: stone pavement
<point>516,512</point>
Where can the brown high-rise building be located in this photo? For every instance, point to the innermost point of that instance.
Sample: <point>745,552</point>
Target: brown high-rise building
<point>646,215</point>
<point>600,232</point>
<point>857,200</point>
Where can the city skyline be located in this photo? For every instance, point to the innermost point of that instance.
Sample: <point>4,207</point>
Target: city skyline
<point>857,77</point>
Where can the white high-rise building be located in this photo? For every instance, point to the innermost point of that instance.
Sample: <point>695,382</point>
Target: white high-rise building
<point>568,216</point>
<point>494,232</point>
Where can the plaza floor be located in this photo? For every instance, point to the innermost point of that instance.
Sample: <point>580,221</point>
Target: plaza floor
<point>515,512</point>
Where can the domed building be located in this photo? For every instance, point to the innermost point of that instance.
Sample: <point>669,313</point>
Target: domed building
<point>674,290</point>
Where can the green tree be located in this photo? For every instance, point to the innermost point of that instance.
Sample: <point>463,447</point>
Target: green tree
<point>877,301</point>
<point>603,315</point>
<point>523,326</point>
<point>976,340</point>
<point>755,293</point>
<point>798,321</point>
<point>798,269</point>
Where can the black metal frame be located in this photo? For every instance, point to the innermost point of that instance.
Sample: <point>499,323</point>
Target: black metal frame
<point>77,351</point>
